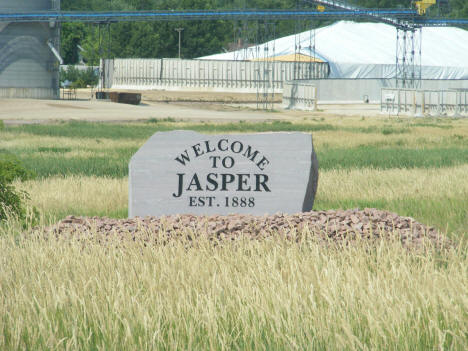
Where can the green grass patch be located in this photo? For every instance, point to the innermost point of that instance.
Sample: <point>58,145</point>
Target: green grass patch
<point>78,129</point>
<point>385,130</point>
<point>387,158</point>
<point>441,123</point>
<point>143,131</point>
<point>54,149</point>
<point>384,153</point>
<point>159,120</point>
<point>114,163</point>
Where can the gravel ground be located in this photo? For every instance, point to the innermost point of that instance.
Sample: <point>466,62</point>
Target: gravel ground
<point>180,105</point>
<point>333,226</point>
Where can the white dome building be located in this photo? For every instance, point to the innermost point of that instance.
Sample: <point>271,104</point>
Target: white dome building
<point>368,50</point>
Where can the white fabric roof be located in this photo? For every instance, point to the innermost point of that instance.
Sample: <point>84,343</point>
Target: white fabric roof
<point>367,50</point>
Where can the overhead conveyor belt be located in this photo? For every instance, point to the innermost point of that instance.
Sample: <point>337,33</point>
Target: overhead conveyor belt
<point>442,22</point>
<point>198,15</point>
<point>398,21</point>
<point>406,16</point>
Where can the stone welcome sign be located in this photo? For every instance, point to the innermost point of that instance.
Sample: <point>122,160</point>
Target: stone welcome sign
<point>184,172</point>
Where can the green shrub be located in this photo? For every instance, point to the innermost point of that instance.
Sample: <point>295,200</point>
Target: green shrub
<point>79,78</point>
<point>11,200</point>
<point>11,168</point>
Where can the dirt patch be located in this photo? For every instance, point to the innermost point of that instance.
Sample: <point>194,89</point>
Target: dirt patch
<point>68,106</point>
<point>334,226</point>
<point>102,111</point>
<point>200,96</point>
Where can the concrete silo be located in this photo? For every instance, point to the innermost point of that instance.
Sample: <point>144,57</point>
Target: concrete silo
<point>28,66</point>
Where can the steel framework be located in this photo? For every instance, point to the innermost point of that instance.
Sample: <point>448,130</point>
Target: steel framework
<point>408,47</point>
<point>408,57</point>
<point>266,67</point>
<point>408,40</point>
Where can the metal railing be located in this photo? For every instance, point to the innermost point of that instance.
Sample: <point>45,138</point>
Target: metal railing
<point>452,102</point>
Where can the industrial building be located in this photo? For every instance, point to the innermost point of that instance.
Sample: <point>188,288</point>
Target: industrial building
<point>29,59</point>
<point>346,61</point>
<point>367,50</point>
<point>361,59</point>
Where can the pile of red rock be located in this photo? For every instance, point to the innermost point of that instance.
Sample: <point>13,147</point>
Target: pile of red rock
<point>333,226</point>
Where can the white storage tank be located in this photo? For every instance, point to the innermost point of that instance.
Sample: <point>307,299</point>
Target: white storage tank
<point>28,67</point>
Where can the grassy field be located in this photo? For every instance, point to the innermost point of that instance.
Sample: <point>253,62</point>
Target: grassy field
<point>271,295</point>
<point>413,167</point>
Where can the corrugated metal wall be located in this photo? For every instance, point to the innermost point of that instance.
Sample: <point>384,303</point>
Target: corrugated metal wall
<point>26,62</point>
<point>336,91</point>
<point>206,74</point>
<point>299,96</point>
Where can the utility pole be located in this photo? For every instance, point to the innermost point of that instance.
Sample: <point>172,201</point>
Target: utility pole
<point>180,31</point>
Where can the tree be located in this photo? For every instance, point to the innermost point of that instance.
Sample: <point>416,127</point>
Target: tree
<point>72,35</point>
<point>200,38</point>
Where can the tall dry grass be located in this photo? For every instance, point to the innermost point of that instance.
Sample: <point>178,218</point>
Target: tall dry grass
<point>57,197</point>
<point>268,295</point>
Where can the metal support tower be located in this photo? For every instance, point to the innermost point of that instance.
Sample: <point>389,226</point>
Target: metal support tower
<point>301,71</point>
<point>408,57</point>
<point>299,28</point>
<point>269,93</point>
<point>408,44</point>
<point>245,37</point>
<point>266,67</point>
<point>313,73</point>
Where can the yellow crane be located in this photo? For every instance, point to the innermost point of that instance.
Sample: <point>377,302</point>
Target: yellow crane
<point>423,5</point>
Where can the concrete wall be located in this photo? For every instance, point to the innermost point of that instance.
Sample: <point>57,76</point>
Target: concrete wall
<point>28,68</point>
<point>212,75</point>
<point>357,90</point>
